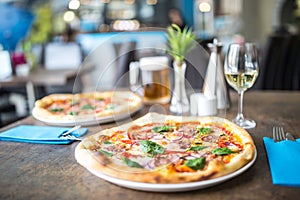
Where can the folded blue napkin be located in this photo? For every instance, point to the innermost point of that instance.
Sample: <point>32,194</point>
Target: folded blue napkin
<point>39,134</point>
<point>284,161</point>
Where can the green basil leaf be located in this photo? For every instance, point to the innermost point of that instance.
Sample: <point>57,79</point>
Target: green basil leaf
<point>151,147</point>
<point>75,102</point>
<point>107,142</point>
<point>108,154</point>
<point>88,107</point>
<point>160,129</point>
<point>131,163</point>
<point>195,164</point>
<point>110,107</point>
<point>56,109</point>
<point>72,113</point>
<point>196,148</point>
<point>222,151</point>
<point>203,131</point>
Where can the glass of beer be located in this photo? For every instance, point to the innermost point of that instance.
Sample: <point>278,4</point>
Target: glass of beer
<point>150,78</point>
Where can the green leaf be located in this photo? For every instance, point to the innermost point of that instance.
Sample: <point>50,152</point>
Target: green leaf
<point>180,42</point>
<point>107,142</point>
<point>110,107</point>
<point>204,131</point>
<point>131,163</point>
<point>108,154</point>
<point>56,109</point>
<point>195,164</point>
<point>72,113</point>
<point>222,151</point>
<point>151,147</point>
<point>160,129</point>
<point>88,107</point>
<point>196,148</point>
<point>74,102</point>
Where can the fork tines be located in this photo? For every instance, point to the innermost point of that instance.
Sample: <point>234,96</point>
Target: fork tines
<point>278,134</point>
<point>70,137</point>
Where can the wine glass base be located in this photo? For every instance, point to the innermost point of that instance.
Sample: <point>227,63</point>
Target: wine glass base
<point>245,123</point>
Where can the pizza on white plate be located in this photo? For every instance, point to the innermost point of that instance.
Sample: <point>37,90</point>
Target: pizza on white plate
<point>168,149</point>
<point>68,108</point>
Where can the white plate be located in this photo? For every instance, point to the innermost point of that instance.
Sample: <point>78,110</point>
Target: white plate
<point>88,121</point>
<point>179,187</point>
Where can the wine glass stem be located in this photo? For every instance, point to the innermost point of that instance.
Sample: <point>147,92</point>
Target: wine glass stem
<point>240,115</point>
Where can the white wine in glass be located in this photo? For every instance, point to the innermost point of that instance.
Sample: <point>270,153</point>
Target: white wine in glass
<point>241,70</point>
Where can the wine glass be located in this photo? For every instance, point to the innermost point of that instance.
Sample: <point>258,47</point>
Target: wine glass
<point>241,71</point>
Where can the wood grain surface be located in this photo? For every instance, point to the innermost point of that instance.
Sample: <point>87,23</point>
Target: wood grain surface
<point>34,171</point>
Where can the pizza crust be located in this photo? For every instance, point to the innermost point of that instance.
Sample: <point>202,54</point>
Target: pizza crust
<point>126,108</point>
<point>214,169</point>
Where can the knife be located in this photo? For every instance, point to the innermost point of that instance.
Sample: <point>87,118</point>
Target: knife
<point>289,136</point>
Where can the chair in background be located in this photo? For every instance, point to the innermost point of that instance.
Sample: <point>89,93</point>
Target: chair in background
<point>10,110</point>
<point>59,55</point>
<point>292,73</point>
<point>197,61</point>
<point>280,63</point>
<point>12,105</point>
<point>6,108</point>
<point>125,52</point>
<point>103,75</point>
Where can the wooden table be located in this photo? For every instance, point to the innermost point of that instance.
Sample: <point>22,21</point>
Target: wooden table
<point>32,171</point>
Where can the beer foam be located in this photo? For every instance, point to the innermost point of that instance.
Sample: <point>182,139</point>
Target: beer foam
<point>154,63</point>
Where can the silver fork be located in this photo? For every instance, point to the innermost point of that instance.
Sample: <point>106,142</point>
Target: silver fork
<point>75,128</point>
<point>71,137</point>
<point>278,134</point>
<point>67,135</point>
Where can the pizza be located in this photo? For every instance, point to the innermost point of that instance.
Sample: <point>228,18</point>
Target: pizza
<point>166,149</point>
<point>86,106</point>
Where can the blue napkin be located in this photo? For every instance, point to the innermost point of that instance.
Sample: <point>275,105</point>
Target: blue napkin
<point>39,134</point>
<point>284,161</point>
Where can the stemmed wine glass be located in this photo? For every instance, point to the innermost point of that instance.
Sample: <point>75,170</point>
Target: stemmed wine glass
<point>241,71</point>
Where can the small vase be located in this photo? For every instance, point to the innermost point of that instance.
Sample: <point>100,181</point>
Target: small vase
<point>179,103</point>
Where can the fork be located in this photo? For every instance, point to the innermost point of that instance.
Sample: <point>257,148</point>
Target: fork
<point>71,137</point>
<point>278,134</point>
<point>67,135</point>
<point>71,130</point>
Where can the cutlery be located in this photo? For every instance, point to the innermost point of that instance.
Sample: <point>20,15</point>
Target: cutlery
<point>71,137</point>
<point>70,131</point>
<point>278,134</point>
<point>289,136</point>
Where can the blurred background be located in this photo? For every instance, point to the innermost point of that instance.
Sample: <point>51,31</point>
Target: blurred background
<point>46,20</point>
<point>32,27</point>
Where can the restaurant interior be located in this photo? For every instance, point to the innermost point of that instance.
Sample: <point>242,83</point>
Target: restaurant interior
<point>145,99</point>
<point>67,34</point>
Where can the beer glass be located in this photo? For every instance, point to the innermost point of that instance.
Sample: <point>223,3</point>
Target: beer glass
<point>150,78</point>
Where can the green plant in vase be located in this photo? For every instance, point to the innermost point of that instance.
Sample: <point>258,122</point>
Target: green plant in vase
<point>180,42</point>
